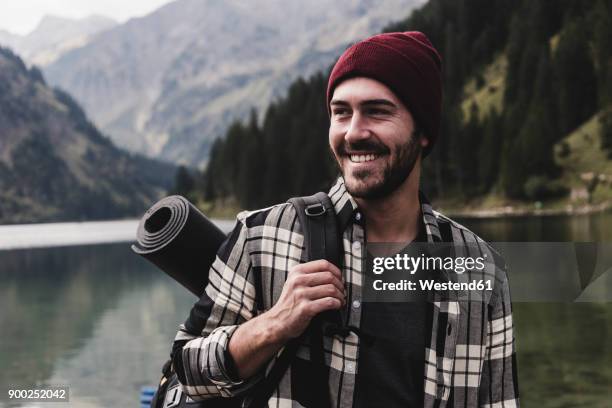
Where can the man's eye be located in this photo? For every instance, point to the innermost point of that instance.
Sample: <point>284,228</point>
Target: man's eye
<point>340,112</point>
<point>375,111</point>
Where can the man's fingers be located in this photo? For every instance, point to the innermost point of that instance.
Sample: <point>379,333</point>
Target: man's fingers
<point>320,278</point>
<point>320,305</point>
<point>323,291</point>
<point>319,266</point>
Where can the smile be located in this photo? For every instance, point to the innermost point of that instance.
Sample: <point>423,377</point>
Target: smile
<point>362,158</point>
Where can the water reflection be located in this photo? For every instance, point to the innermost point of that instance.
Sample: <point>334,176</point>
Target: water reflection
<point>564,353</point>
<point>581,228</point>
<point>101,320</point>
<point>96,318</point>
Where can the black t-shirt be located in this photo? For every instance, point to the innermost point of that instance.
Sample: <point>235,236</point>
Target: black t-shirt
<point>391,361</point>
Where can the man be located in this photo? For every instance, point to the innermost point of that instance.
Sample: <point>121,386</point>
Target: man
<point>384,99</point>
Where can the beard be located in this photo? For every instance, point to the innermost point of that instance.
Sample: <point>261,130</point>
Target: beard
<point>395,172</point>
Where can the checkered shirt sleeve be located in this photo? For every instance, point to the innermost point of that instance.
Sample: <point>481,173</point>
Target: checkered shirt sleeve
<point>200,351</point>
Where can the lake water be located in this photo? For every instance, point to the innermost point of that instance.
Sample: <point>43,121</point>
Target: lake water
<point>100,319</point>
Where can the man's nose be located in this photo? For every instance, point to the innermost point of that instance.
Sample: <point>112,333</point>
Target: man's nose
<point>357,129</point>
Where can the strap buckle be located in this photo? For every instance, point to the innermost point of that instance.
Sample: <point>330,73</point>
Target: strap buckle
<point>314,210</point>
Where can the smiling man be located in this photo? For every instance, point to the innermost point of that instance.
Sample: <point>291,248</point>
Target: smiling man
<point>384,98</point>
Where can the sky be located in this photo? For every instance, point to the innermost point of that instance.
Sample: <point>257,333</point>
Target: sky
<point>22,16</point>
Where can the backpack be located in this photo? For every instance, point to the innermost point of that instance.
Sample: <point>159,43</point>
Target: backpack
<point>322,240</point>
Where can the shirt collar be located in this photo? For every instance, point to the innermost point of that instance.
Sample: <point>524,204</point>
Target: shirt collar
<point>346,207</point>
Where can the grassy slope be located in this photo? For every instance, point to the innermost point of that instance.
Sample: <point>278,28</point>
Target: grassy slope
<point>585,160</point>
<point>490,94</point>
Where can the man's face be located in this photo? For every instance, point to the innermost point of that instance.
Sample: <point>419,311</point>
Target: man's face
<point>372,136</point>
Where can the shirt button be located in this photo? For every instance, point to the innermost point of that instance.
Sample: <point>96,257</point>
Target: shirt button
<point>350,366</point>
<point>356,304</point>
<point>358,216</point>
<point>356,246</point>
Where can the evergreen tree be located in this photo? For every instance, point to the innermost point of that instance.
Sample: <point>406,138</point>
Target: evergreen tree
<point>252,158</point>
<point>465,158</point>
<point>214,183</point>
<point>489,152</point>
<point>533,145</point>
<point>575,77</point>
<point>602,44</point>
<point>184,182</point>
<point>606,132</point>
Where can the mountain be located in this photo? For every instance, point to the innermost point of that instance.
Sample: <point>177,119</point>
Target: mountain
<point>55,165</point>
<point>7,38</point>
<point>168,83</point>
<point>55,36</point>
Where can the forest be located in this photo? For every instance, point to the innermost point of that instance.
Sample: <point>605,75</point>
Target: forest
<point>519,77</point>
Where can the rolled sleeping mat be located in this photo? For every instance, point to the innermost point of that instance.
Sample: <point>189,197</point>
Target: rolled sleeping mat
<point>177,238</point>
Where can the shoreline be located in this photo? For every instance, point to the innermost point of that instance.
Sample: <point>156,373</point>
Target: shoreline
<point>44,235</point>
<point>510,211</point>
<point>47,235</point>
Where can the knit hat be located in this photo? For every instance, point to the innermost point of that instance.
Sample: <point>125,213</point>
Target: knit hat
<point>408,64</point>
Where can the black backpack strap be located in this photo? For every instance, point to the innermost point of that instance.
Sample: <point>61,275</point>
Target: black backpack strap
<point>317,217</point>
<point>322,240</point>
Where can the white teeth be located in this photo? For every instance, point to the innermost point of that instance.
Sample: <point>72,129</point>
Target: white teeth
<point>360,158</point>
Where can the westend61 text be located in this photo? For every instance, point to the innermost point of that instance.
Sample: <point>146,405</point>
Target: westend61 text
<point>406,285</point>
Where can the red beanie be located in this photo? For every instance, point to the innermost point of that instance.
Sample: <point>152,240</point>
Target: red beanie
<point>408,64</point>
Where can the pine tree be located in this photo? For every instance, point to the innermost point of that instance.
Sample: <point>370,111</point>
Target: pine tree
<point>184,182</point>
<point>602,45</point>
<point>575,77</point>
<point>606,132</point>
<point>214,183</point>
<point>489,152</point>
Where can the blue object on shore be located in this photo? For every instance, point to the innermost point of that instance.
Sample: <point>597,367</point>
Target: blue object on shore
<point>146,396</point>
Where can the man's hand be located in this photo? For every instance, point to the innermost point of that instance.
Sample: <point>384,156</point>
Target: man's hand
<point>311,288</point>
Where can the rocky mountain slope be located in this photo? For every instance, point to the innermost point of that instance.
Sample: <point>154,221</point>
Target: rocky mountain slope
<point>55,165</point>
<point>168,83</point>
<point>54,36</point>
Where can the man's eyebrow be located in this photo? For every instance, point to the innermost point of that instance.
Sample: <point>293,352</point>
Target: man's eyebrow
<point>385,102</point>
<point>369,102</point>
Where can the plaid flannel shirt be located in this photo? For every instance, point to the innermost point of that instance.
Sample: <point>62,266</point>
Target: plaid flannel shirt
<point>470,360</point>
